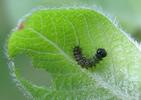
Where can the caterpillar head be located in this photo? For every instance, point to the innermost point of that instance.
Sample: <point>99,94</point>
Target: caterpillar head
<point>101,53</point>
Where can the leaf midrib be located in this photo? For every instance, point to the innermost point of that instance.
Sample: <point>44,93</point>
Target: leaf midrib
<point>53,44</point>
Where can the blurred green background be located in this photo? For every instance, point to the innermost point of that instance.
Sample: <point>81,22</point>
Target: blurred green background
<point>127,12</point>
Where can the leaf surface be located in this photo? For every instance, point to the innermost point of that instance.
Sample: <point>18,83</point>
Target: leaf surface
<point>48,37</point>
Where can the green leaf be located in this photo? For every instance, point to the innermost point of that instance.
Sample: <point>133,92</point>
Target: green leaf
<point>48,37</point>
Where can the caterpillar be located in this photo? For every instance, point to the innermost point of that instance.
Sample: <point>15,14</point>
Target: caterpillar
<point>88,62</point>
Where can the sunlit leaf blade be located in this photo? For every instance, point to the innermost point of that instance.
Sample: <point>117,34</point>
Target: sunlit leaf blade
<point>48,37</point>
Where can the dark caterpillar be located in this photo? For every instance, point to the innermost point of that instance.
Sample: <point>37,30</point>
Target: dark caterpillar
<point>88,62</point>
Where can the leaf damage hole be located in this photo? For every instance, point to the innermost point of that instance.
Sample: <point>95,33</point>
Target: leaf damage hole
<point>26,70</point>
